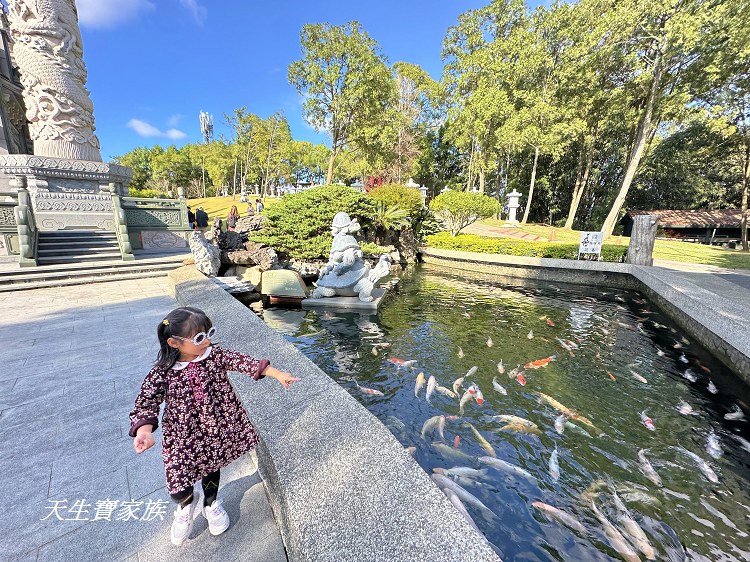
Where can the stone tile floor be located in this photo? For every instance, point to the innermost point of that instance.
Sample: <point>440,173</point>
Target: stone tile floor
<point>73,359</point>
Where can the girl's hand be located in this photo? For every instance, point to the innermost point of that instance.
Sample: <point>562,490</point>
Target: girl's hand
<point>143,442</point>
<point>285,379</point>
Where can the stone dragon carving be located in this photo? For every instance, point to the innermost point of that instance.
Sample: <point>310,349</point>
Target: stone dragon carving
<point>48,50</point>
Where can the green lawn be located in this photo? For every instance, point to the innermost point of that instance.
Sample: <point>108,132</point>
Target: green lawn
<point>663,249</point>
<point>220,206</point>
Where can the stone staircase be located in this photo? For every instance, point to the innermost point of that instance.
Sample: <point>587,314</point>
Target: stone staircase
<point>77,246</point>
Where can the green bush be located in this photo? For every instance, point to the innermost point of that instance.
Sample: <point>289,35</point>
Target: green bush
<point>371,250</point>
<point>459,209</point>
<point>147,193</point>
<point>400,196</point>
<point>512,247</point>
<point>300,224</point>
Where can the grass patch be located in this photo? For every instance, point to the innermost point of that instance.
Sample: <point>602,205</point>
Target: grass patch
<point>672,250</point>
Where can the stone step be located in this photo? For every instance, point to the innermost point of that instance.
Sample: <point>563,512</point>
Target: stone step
<point>142,261</point>
<point>75,258</point>
<point>83,252</point>
<point>78,242</point>
<point>74,233</point>
<point>83,280</point>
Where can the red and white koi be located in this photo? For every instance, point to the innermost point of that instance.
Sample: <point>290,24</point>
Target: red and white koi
<point>647,421</point>
<point>370,391</point>
<point>521,379</point>
<point>402,363</point>
<point>550,323</point>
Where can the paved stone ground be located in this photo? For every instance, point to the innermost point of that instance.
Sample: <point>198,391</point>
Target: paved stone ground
<point>72,362</point>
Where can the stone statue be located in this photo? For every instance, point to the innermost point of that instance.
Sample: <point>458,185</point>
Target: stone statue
<point>346,273</point>
<point>47,48</point>
<point>206,255</point>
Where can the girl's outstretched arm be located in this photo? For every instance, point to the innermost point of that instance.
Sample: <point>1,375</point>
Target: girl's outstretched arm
<point>284,378</point>
<point>257,368</point>
<point>146,409</point>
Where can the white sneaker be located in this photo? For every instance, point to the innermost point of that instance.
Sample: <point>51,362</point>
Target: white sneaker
<point>218,520</point>
<point>183,522</point>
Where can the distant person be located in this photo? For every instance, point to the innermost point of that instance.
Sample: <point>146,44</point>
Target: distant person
<point>201,220</point>
<point>232,218</point>
<point>191,218</point>
<point>250,209</point>
<point>259,205</point>
<point>205,426</point>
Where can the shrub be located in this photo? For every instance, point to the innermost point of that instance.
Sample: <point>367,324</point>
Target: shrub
<point>400,196</point>
<point>300,224</point>
<point>147,193</point>
<point>512,247</point>
<point>459,209</point>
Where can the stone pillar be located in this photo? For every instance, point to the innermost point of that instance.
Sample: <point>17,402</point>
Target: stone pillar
<point>513,205</point>
<point>48,50</point>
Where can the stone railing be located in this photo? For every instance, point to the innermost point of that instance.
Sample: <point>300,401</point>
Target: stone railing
<point>9,249</point>
<point>23,212</point>
<point>121,225</point>
<point>155,224</point>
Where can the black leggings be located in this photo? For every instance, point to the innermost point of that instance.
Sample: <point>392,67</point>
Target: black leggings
<point>210,485</point>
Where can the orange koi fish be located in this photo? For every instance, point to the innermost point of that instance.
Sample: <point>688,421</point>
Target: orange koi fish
<point>550,323</point>
<point>457,442</point>
<point>521,379</point>
<point>540,362</point>
<point>611,376</point>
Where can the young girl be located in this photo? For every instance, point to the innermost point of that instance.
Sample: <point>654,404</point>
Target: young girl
<point>232,218</point>
<point>205,427</point>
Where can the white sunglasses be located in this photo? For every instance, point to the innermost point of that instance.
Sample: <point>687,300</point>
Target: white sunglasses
<point>200,337</point>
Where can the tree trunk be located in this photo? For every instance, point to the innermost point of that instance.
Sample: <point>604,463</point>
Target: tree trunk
<point>745,188</point>
<point>499,186</point>
<point>329,177</point>
<point>481,181</point>
<point>642,238</point>
<point>637,151</point>
<point>579,189</point>
<point>531,187</point>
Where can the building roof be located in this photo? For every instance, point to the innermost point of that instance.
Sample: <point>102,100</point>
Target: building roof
<point>678,218</point>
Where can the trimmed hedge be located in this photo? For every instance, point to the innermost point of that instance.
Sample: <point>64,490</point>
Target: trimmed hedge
<point>394,194</point>
<point>513,247</point>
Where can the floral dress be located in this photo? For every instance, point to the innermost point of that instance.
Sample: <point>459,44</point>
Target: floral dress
<point>205,426</point>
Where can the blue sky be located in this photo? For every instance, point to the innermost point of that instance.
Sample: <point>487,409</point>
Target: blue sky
<point>154,64</point>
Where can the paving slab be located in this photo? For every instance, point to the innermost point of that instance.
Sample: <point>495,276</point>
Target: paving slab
<point>72,363</point>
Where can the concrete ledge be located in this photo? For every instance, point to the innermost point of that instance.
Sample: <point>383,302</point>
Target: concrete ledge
<point>720,324</point>
<point>340,485</point>
<point>347,303</point>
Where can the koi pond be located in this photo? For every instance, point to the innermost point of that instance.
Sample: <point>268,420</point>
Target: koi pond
<point>586,426</point>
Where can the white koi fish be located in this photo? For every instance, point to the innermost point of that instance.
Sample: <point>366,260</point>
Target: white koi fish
<point>490,343</point>
<point>639,378</point>
<point>471,371</point>
<point>632,528</point>
<point>374,351</point>
<point>431,384</point>
<point>500,367</point>
<point>530,335</point>
<point>454,454</point>
<point>686,409</point>
<point>504,466</point>
<point>419,384</point>
<point>443,482</point>
<point>431,424</point>
<point>712,387</point>
<point>464,399</point>
<point>456,501</point>
<point>445,391</point>
<point>713,447</point>
<point>684,358</point>
<point>498,387</point>
<point>562,516</point>
<point>690,375</point>
<point>460,353</point>
<point>457,384</point>
<point>736,415</point>
<point>647,469</point>
<point>744,443</point>
<point>554,466</point>
<point>509,418</point>
<point>704,467</point>
<point>560,424</point>
<point>616,540</point>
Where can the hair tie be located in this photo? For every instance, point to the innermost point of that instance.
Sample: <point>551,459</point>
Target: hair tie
<point>165,322</point>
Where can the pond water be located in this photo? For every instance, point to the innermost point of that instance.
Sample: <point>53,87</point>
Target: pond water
<point>615,356</point>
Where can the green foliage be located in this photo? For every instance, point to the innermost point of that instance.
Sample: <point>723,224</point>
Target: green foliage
<point>300,225</point>
<point>390,218</point>
<point>146,193</point>
<point>512,247</point>
<point>459,209</point>
<point>400,196</point>
<point>374,251</point>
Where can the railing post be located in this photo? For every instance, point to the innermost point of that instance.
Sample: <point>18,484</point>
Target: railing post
<point>24,214</point>
<point>121,225</point>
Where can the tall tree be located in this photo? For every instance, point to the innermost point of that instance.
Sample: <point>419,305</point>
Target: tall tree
<point>346,84</point>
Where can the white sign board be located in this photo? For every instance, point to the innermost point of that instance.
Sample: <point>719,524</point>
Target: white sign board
<point>591,243</point>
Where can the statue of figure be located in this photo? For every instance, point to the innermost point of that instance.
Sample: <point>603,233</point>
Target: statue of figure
<point>47,48</point>
<point>346,273</point>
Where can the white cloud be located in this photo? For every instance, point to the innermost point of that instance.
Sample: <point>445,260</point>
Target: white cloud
<point>199,12</point>
<point>174,120</point>
<point>148,130</point>
<point>110,13</point>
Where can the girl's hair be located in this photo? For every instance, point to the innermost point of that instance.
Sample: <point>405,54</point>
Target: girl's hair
<point>183,322</point>
<point>233,212</point>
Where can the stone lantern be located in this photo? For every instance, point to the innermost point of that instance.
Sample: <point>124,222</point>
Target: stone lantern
<point>513,205</point>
